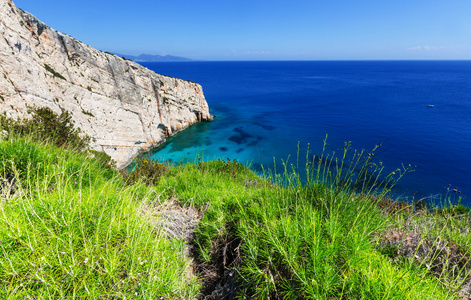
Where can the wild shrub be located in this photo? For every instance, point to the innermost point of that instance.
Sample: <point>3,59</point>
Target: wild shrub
<point>46,125</point>
<point>145,169</point>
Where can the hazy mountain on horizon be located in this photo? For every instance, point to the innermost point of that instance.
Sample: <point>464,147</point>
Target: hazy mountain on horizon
<point>153,58</point>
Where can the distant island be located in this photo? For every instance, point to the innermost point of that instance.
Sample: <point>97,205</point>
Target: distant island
<point>153,58</point>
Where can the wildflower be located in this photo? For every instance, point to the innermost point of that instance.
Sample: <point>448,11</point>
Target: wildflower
<point>86,260</point>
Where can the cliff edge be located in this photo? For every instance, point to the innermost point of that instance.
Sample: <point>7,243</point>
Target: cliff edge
<point>126,108</point>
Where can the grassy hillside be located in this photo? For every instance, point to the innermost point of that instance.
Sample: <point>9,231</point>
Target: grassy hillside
<point>73,227</point>
<point>70,227</point>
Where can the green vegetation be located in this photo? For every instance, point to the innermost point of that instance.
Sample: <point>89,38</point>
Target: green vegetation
<point>70,228</point>
<point>73,227</point>
<point>45,125</point>
<point>88,113</point>
<point>146,170</point>
<point>321,239</point>
<point>56,74</point>
<point>89,88</point>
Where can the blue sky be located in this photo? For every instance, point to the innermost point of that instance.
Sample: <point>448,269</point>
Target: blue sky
<point>266,30</point>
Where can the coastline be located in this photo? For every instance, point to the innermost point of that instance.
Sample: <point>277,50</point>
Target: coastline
<point>143,151</point>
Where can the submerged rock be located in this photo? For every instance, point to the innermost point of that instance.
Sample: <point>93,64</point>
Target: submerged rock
<point>126,108</point>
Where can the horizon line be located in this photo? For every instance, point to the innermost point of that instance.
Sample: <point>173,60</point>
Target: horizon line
<point>299,60</point>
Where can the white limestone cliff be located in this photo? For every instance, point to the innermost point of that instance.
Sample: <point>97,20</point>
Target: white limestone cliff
<point>126,108</point>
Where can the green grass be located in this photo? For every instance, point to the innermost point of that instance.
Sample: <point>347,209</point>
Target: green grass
<point>73,227</point>
<point>309,240</point>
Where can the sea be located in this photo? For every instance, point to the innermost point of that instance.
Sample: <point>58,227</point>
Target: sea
<point>269,112</point>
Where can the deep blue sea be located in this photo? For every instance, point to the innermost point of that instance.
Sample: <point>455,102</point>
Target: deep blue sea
<point>264,109</point>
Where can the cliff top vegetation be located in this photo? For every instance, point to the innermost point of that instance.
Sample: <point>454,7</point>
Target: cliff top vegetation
<point>71,226</point>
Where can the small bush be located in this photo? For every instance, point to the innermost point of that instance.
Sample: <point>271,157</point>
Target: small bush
<point>147,170</point>
<point>46,125</point>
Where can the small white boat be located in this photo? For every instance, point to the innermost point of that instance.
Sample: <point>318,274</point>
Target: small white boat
<point>430,105</point>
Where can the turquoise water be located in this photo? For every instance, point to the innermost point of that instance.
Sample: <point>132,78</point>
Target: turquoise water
<point>264,109</point>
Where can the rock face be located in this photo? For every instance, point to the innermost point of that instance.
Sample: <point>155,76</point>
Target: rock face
<point>126,108</point>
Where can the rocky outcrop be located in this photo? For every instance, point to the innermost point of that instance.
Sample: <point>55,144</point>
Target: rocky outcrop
<point>124,107</point>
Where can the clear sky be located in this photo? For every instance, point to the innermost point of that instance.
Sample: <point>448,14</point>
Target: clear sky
<point>266,29</point>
